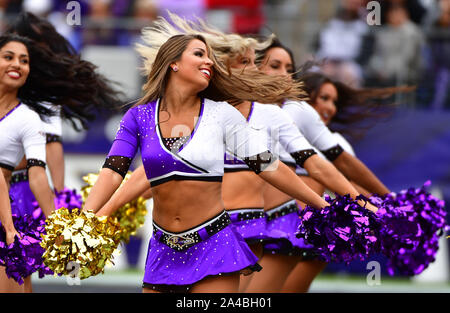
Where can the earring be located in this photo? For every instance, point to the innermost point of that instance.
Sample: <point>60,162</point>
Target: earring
<point>175,68</point>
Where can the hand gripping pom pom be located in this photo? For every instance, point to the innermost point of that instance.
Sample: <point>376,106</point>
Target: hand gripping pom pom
<point>411,223</point>
<point>79,237</point>
<point>341,232</point>
<point>130,217</point>
<point>24,256</point>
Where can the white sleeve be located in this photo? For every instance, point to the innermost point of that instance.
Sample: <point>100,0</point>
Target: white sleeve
<point>344,143</point>
<point>239,137</point>
<point>284,130</point>
<point>53,124</point>
<point>310,125</point>
<point>33,137</point>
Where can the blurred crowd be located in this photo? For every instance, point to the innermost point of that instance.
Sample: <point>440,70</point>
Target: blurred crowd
<point>118,22</point>
<point>408,44</point>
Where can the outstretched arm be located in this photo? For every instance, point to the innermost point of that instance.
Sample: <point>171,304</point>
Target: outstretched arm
<point>282,177</point>
<point>41,189</point>
<point>5,212</point>
<point>135,186</point>
<point>107,183</point>
<point>55,163</point>
<point>324,172</point>
<point>358,172</point>
<point>317,133</point>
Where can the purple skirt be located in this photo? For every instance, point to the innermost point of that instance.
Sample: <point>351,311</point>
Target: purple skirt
<point>282,225</point>
<point>26,203</point>
<point>250,223</point>
<point>179,260</point>
<point>21,195</point>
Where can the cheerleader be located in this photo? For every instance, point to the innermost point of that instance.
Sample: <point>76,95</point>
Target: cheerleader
<point>345,107</point>
<point>278,60</point>
<point>30,75</point>
<point>43,32</point>
<point>349,110</point>
<point>242,190</point>
<point>281,257</point>
<point>22,133</point>
<point>194,248</point>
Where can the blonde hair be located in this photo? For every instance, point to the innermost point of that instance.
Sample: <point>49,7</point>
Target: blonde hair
<point>164,43</point>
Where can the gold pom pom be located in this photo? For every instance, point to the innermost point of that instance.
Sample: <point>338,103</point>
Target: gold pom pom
<point>130,217</point>
<point>80,238</point>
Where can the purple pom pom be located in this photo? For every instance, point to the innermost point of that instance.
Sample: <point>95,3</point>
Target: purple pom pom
<point>66,198</point>
<point>412,222</point>
<point>24,256</point>
<point>341,232</point>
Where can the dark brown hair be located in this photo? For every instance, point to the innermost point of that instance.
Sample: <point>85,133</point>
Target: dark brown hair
<point>58,74</point>
<point>357,108</point>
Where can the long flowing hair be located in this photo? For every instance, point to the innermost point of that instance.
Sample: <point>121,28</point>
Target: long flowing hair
<point>358,109</point>
<point>165,43</point>
<point>90,91</point>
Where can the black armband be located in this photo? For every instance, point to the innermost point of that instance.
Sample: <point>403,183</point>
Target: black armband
<point>118,164</point>
<point>301,156</point>
<point>333,153</point>
<point>52,138</point>
<point>35,162</point>
<point>260,162</point>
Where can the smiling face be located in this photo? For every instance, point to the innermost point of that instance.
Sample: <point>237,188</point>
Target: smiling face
<point>277,61</point>
<point>14,65</point>
<point>194,66</point>
<point>325,102</point>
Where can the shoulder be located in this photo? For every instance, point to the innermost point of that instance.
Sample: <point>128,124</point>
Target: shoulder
<point>217,105</point>
<point>300,107</point>
<point>272,112</point>
<point>28,122</point>
<point>28,115</point>
<point>221,109</point>
<point>143,108</point>
<point>142,112</point>
<point>269,108</point>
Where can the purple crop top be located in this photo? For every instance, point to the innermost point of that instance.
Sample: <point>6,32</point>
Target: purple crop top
<point>198,156</point>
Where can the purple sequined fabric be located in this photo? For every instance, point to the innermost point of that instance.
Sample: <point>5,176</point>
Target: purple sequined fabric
<point>24,256</point>
<point>66,198</point>
<point>224,252</point>
<point>411,223</point>
<point>406,229</point>
<point>341,232</point>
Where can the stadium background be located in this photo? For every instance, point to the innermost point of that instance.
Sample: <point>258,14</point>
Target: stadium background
<point>410,45</point>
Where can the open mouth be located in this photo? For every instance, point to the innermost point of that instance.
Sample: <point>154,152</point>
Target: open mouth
<point>325,117</point>
<point>13,74</point>
<point>206,72</point>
